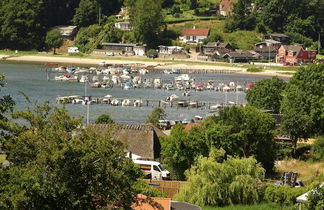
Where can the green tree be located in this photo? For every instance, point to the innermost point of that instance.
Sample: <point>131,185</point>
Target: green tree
<point>267,94</point>
<point>104,119</point>
<point>252,133</point>
<point>219,183</point>
<point>54,39</point>
<point>56,164</point>
<point>243,132</point>
<point>304,99</point>
<point>6,105</point>
<point>21,25</point>
<point>315,198</point>
<point>86,14</point>
<point>318,149</point>
<point>157,114</point>
<point>147,21</point>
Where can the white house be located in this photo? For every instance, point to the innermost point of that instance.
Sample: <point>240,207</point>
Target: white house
<point>194,35</point>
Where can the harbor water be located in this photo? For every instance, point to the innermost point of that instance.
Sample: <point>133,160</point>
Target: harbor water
<point>31,80</point>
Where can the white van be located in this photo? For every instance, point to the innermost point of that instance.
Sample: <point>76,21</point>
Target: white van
<point>153,169</point>
<point>73,50</point>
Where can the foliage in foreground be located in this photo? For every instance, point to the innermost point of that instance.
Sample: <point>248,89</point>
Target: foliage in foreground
<point>303,103</point>
<point>240,131</point>
<point>318,149</point>
<point>55,164</point>
<point>212,181</point>
<point>285,195</point>
<point>104,119</point>
<point>267,94</point>
<point>157,114</point>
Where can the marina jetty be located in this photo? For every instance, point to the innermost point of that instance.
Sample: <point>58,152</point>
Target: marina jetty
<point>170,102</point>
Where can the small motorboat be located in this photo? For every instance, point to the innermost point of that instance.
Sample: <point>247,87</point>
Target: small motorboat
<point>128,85</point>
<point>200,87</point>
<point>126,102</point>
<point>114,102</point>
<point>84,78</point>
<point>138,103</point>
<point>143,71</point>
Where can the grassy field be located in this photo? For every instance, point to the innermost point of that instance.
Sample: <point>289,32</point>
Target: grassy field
<point>266,206</point>
<point>308,172</point>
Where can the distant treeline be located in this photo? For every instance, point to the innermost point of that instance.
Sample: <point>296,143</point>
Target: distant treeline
<point>24,23</point>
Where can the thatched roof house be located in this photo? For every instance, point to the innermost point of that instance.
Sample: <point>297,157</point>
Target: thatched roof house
<point>142,140</point>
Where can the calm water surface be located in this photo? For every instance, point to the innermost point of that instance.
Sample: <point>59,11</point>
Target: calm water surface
<point>31,80</point>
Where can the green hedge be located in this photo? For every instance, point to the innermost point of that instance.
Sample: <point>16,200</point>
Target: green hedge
<point>284,194</point>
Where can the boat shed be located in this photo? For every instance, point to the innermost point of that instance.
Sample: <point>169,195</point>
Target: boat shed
<point>124,49</point>
<point>241,56</point>
<point>142,140</point>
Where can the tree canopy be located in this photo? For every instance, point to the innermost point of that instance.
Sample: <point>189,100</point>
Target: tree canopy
<point>104,119</point>
<point>267,94</point>
<point>157,114</point>
<point>55,164</point>
<point>147,21</point>
<point>240,131</point>
<point>54,39</point>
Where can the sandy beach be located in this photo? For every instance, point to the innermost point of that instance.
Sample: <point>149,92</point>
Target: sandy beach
<point>156,64</point>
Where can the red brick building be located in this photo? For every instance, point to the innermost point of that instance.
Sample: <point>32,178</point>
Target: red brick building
<point>294,54</point>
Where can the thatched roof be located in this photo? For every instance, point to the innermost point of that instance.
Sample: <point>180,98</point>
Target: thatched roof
<point>142,140</point>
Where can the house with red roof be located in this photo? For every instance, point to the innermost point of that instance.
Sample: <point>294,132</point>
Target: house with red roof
<point>226,8</point>
<point>194,35</point>
<point>295,54</point>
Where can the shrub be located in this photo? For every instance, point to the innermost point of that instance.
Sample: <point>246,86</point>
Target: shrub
<point>318,149</point>
<point>283,194</point>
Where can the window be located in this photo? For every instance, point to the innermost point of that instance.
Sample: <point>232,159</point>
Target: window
<point>155,168</point>
<point>161,167</point>
<point>145,167</point>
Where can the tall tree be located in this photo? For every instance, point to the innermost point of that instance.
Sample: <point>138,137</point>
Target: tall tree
<point>54,39</point>
<point>267,94</point>
<point>56,164</point>
<point>303,104</point>
<point>304,94</point>
<point>86,14</point>
<point>157,114</point>
<point>21,24</point>
<point>147,21</point>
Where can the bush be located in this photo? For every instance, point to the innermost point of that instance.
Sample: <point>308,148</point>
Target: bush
<point>317,151</point>
<point>283,194</point>
<point>152,53</point>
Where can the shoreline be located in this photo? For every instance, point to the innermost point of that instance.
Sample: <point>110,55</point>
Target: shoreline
<point>154,64</point>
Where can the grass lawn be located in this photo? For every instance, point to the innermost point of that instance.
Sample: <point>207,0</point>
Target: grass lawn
<point>307,171</point>
<point>266,206</point>
<point>2,158</point>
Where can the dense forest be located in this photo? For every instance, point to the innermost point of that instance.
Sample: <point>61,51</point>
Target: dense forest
<point>24,23</point>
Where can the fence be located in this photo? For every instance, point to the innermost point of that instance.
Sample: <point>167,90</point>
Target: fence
<point>170,188</point>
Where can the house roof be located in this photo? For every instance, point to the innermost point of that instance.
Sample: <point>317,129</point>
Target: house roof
<point>246,54</point>
<point>217,44</point>
<point>294,48</point>
<point>226,5</point>
<point>195,32</point>
<point>279,35</point>
<point>142,140</point>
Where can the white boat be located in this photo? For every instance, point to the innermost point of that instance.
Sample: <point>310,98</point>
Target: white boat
<point>95,85</point>
<point>239,88</point>
<point>95,79</point>
<point>106,78</point>
<point>182,77</point>
<point>157,83</point>
<point>125,77</point>
<point>60,69</point>
<point>138,103</point>
<point>126,102</point>
<point>84,78</point>
<point>115,102</point>
<point>107,99</point>
<point>216,107</point>
<point>226,89</point>
<point>66,78</point>
<point>143,71</point>
<point>115,79</point>
<point>186,93</point>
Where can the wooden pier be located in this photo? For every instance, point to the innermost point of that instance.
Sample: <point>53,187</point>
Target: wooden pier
<point>139,102</point>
